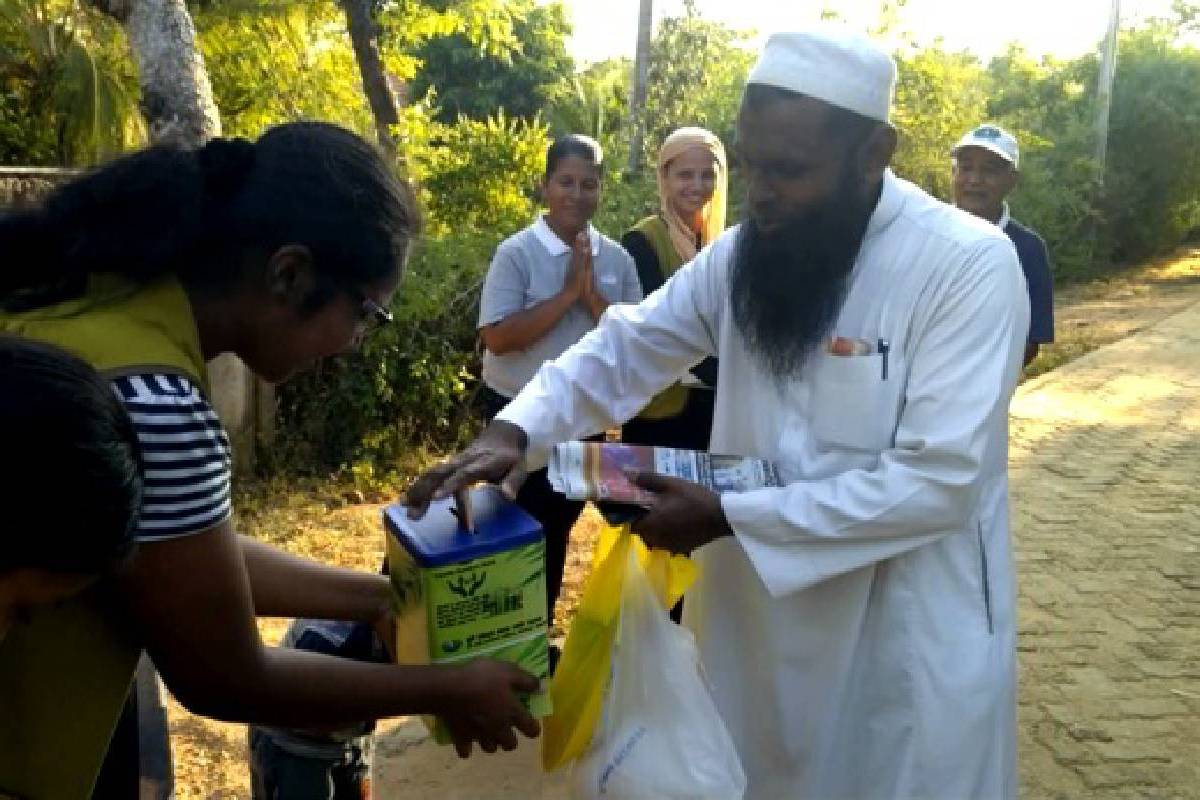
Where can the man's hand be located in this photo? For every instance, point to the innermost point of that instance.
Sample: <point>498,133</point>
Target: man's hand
<point>498,456</point>
<point>683,516</point>
<point>484,706</point>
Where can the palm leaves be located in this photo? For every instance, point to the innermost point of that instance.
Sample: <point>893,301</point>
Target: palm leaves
<point>66,60</point>
<point>593,101</point>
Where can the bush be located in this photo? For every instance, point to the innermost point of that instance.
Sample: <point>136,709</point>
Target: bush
<point>1152,183</point>
<point>939,96</point>
<point>1049,106</point>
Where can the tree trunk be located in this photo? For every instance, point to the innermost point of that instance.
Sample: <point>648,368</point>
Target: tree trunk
<point>1104,87</point>
<point>177,98</point>
<point>364,36</point>
<point>1104,84</point>
<point>637,97</point>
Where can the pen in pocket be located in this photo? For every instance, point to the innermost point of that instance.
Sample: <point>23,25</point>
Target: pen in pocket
<point>884,347</point>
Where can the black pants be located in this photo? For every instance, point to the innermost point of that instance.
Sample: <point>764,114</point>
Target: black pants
<point>555,512</point>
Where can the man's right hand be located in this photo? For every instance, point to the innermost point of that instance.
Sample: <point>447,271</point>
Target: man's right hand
<point>483,705</point>
<point>497,456</point>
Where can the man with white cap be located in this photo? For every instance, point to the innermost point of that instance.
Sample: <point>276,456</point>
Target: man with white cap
<point>857,624</point>
<point>986,164</point>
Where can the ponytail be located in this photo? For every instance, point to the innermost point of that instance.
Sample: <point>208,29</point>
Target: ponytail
<point>136,217</point>
<point>199,214</point>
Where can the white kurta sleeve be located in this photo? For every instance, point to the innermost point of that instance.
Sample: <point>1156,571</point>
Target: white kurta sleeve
<point>965,355</point>
<point>635,352</point>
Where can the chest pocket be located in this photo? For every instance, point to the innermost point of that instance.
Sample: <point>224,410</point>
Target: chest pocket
<point>854,405</point>
<point>609,284</point>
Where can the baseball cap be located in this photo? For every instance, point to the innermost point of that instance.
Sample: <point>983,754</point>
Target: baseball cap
<point>993,138</point>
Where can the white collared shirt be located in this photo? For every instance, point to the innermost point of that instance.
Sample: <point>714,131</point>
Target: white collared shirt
<point>554,245</point>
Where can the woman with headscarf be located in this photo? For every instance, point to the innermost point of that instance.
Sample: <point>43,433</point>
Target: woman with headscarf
<point>692,185</point>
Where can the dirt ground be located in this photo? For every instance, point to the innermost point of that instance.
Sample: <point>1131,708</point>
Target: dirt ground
<point>1094,313</point>
<point>209,757</point>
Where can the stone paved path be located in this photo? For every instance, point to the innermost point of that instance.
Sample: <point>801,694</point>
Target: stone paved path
<point>1106,509</point>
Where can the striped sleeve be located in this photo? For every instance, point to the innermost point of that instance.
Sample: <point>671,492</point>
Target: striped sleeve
<point>185,454</point>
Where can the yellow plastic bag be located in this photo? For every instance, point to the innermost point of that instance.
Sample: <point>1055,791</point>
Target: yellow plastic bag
<point>579,682</point>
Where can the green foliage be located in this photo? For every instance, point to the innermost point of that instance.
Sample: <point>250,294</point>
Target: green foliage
<point>1049,106</point>
<point>67,89</point>
<point>1150,196</point>
<point>477,176</point>
<point>625,198</point>
<point>486,26</point>
<point>593,101</point>
<point>265,59</point>
<point>939,96</point>
<point>475,83</point>
<point>1152,180</point>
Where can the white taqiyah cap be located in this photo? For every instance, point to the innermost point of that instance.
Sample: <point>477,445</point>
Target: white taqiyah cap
<point>831,63</point>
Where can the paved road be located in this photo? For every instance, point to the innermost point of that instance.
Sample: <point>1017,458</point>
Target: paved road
<point>1106,501</point>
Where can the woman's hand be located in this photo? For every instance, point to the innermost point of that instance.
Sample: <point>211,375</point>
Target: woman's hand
<point>483,705</point>
<point>589,296</point>
<point>577,281</point>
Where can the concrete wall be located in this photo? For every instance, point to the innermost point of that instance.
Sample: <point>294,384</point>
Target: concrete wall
<point>20,185</point>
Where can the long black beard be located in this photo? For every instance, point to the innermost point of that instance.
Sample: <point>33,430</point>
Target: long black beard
<point>788,285</point>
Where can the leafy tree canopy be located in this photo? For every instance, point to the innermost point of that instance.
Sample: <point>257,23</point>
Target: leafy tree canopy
<point>518,78</point>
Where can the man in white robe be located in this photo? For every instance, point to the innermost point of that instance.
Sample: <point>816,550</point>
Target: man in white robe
<point>857,625</point>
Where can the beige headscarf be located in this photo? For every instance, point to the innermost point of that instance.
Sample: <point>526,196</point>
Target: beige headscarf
<point>712,215</point>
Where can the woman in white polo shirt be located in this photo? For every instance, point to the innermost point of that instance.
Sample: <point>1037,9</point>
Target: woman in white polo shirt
<point>547,286</point>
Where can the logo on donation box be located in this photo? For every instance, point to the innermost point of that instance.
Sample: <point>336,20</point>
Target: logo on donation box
<point>466,585</point>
